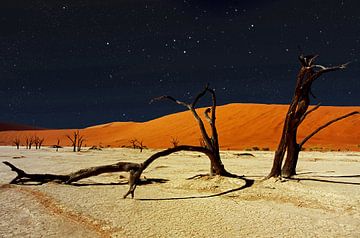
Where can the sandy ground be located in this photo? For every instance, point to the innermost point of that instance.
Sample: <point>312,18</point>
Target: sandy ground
<point>324,202</point>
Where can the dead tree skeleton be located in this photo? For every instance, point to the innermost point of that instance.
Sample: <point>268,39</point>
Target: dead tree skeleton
<point>135,170</point>
<point>41,141</point>
<point>16,142</point>
<point>29,141</point>
<point>211,142</point>
<point>76,141</point>
<point>38,142</point>
<point>297,112</point>
<point>136,144</point>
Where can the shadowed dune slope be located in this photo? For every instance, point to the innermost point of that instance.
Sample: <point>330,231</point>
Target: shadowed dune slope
<point>240,126</point>
<point>16,127</point>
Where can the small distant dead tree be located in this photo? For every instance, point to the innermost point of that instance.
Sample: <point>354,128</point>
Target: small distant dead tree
<point>17,142</point>
<point>211,141</point>
<point>41,141</point>
<point>57,146</point>
<point>29,141</point>
<point>297,112</point>
<point>76,140</point>
<point>142,146</point>
<point>174,142</point>
<point>73,139</point>
<point>136,144</point>
<point>38,142</point>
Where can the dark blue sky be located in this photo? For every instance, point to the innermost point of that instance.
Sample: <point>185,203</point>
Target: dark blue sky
<point>77,63</point>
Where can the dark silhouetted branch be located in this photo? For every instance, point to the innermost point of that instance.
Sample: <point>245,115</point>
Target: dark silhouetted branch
<point>326,125</point>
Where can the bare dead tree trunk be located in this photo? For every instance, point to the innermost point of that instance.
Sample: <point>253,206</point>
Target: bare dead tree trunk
<point>280,152</point>
<point>23,177</point>
<point>292,155</point>
<point>41,141</point>
<point>297,112</point>
<point>36,142</point>
<point>76,140</point>
<point>211,141</point>
<point>29,142</point>
<point>16,142</point>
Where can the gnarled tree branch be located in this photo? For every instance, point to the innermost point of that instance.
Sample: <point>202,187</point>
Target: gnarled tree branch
<point>326,125</point>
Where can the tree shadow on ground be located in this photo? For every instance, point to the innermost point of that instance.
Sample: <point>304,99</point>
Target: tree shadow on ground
<point>327,181</point>
<point>339,176</point>
<point>142,182</point>
<point>97,184</point>
<point>248,183</point>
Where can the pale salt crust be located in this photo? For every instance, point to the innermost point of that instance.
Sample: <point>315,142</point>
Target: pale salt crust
<point>322,204</point>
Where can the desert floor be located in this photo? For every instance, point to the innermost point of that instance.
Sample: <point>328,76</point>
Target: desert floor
<point>323,202</point>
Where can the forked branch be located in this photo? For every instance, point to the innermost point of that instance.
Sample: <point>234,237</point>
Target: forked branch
<point>191,107</point>
<point>323,70</point>
<point>308,112</point>
<point>326,125</point>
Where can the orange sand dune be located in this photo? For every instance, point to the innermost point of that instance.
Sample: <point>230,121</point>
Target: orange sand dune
<point>240,126</point>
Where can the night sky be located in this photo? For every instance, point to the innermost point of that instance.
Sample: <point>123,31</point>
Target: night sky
<point>68,64</point>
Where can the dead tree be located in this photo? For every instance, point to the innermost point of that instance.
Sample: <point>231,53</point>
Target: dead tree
<point>133,143</point>
<point>211,141</point>
<point>16,142</point>
<point>174,142</point>
<point>29,140</point>
<point>135,170</point>
<point>23,177</point>
<point>76,140</point>
<point>297,112</point>
<point>41,141</point>
<point>141,145</point>
<point>136,144</point>
<point>38,142</point>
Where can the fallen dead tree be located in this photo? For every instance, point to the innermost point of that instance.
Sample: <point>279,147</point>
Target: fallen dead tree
<point>135,170</point>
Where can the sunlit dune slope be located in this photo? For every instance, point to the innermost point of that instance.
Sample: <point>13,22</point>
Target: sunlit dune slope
<point>240,126</point>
